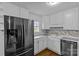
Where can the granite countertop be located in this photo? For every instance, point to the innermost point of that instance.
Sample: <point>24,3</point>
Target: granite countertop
<point>66,37</point>
<point>36,37</point>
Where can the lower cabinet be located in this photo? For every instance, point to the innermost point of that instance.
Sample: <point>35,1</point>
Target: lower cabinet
<point>36,46</point>
<point>57,46</point>
<point>44,42</point>
<point>54,45</point>
<point>39,44</point>
<point>50,44</point>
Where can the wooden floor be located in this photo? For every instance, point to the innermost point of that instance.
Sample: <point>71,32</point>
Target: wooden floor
<point>47,52</point>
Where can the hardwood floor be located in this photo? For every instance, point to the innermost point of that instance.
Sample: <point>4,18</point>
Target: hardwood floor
<point>47,52</point>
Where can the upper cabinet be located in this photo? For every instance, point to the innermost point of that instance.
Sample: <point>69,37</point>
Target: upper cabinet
<point>56,20</point>
<point>68,19</point>
<point>10,9</point>
<point>71,19</point>
<point>45,22</point>
<point>13,10</point>
<point>24,13</point>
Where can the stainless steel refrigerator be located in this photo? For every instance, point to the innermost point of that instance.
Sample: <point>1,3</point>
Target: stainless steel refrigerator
<point>19,36</point>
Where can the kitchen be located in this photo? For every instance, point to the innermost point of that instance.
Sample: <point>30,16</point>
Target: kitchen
<point>39,29</point>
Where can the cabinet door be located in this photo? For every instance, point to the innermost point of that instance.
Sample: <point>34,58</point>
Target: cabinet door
<point>1,22</point>
<point>27,42</point>
<point>24,13</point>
<point>41,45</point>
<point>45,39</point>
<point>54,45</point>
<point>51,44</point>
<point>57,46</point>
<point>45,43</point>
<point>36,46</point>
<point>45,22</point>
<point>71,19</point>
<point>2,52</point>
<point>59,19</point>
<point>10,9</point>
<point>56,20</point>
<point>52,20</point>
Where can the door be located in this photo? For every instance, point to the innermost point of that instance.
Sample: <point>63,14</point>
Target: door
<point>45,43</point>
<point>25,21</point>
<point>18,25</point>
<point>10,35</point>
<point>41,44</point>
<point>50,44</point>
<point>29,35</point>
<point>36,46</point>
<point>56,44</point>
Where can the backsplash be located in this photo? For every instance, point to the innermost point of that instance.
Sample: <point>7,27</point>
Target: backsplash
<point>74,33</point>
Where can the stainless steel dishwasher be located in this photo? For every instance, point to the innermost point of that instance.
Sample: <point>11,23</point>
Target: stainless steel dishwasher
<point>68,48</point>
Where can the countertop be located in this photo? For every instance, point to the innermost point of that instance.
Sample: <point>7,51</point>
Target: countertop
<point>36,37</point>
<point>64,37</point>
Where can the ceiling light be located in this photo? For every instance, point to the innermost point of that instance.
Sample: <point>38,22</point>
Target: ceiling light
<point>52,3</point>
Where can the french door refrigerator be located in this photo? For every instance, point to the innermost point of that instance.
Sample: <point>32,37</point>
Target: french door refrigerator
<point>19,35</point>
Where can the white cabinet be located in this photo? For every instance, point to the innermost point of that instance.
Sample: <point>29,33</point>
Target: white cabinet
<point>54,45</point>
<point>2,43</point>
<point>10,9</point>
<point>1,22</point>
<point>71,19</point>
<point>59,19</point>
<point>45,22</point>
<point>67,19</point>
<point>40,44</point>
<point>57,45</point>
<point>56,20</point>
<point>45,43</point>
<point>13,10</point>
<point>1,35</point>
<point>24,13</point>
<point>50,44</point>
<point>36,46</point>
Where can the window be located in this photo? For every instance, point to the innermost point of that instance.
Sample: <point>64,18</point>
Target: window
<point>36,26</point>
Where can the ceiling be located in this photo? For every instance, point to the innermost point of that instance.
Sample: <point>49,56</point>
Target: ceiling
<point>42,8</point>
